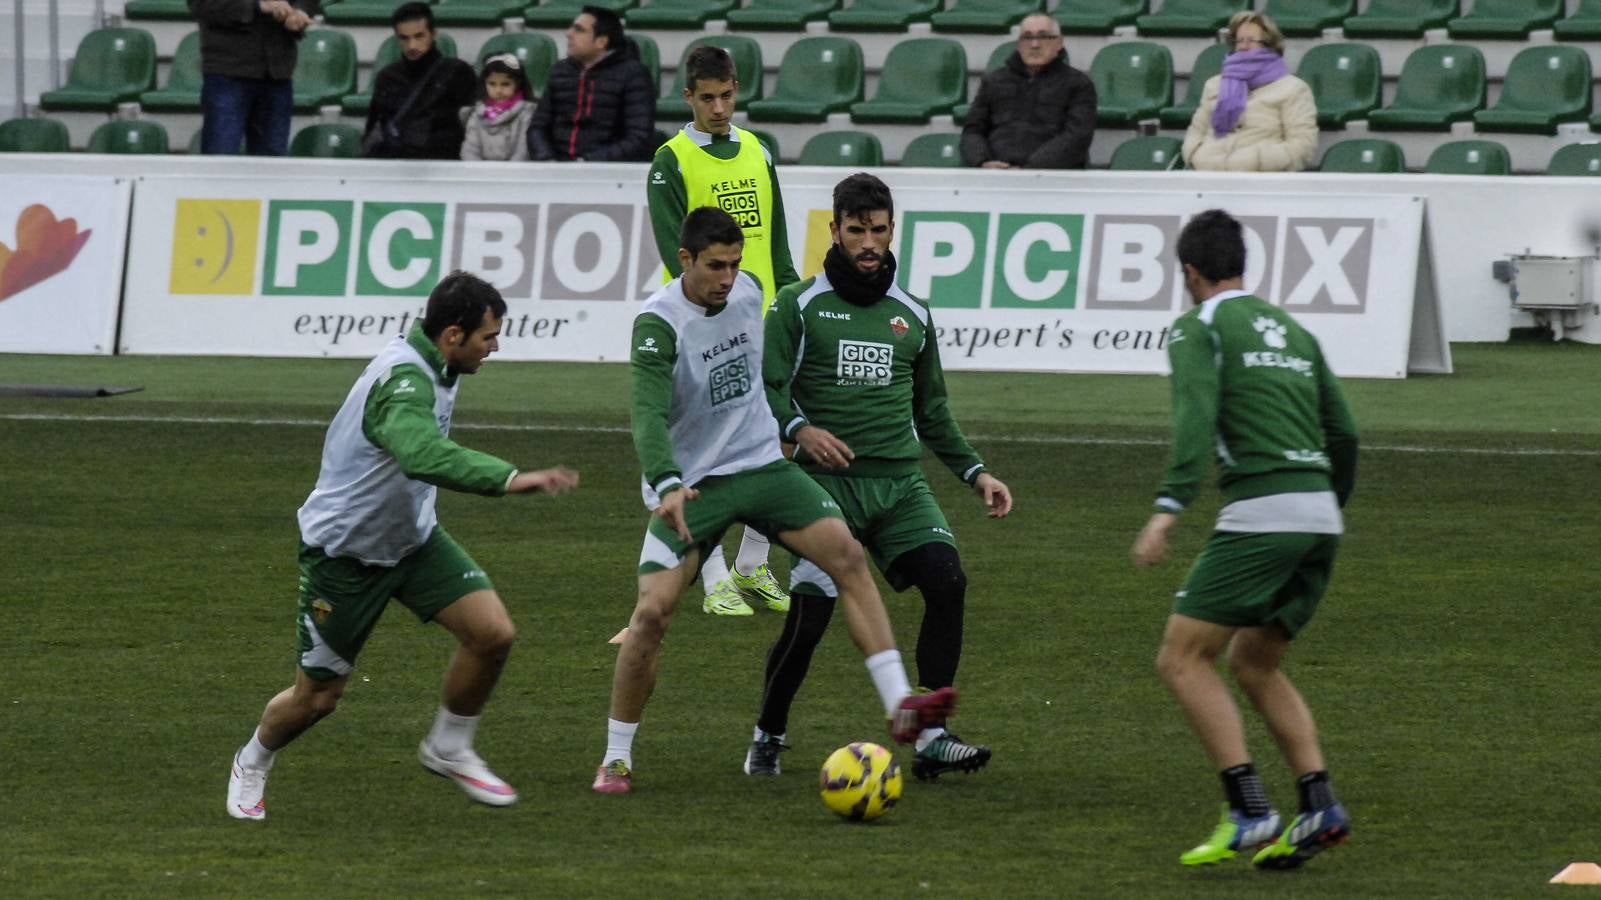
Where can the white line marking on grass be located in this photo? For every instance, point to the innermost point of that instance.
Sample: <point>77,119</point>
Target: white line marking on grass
<point>613,429</point>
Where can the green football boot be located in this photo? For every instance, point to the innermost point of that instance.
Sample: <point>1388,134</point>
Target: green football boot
<point>761,587</point>
<point>724,600</point>
<point>1309,834</point>
<point>1237,831</point>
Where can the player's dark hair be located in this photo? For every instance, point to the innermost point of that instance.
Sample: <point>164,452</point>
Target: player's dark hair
<point>859,196</point>
<point>607,25</point>
<point>461,298</point>
<point>1214,243</point>
<point>411,12</point>
<point>706,226</point>
<point>708,63</point>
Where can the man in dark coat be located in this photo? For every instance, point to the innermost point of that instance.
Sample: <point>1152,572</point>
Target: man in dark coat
<point>430,126</point>
<point>1034,112</point>
<point>248,50</point>
<point>599,102</point>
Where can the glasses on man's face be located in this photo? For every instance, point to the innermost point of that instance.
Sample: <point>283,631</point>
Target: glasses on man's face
<point>1037,37</point>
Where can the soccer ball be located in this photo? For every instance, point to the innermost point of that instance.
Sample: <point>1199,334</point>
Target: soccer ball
<point>861,781</point>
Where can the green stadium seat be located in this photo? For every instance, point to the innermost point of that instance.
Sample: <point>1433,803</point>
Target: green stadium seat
<point>536,52</point>
<point>883,15</point>
<point>36,135</point>
<point>1575,159</point>
<point>1439,84</point>
<point>388,53</point>
<point>1207,64</point>
<point>1544,86</point>
<point>842,148</point>
<point>1193,18</point>
<point>1366,156</point>
<point>934,151</point>
<point>985,16</point>
<point>1345,80</point>
<point>1583,25</point>
<point>747,56</point>
<point>158,10</point>
<point>768,139</point>
<point>182,92</point>
<point>998,58</point>
<point>650,55</point>
<point>1401,18</point>
<point>473,13</point>
<point>1099,16</point>
<point>361,12</point>
<point>819,75</point>
<point>1308,18</point>
<point>129,136</point>
<point>327,140</point>
<point>1148,153</point>
<point>780,15</point>
<point>561,13</point>
<point>1507,19</point>
<point>922,78</point>
<point>325,70</point>
<point>1469,158</point>
<point>1133,82</point>
<point>111,66</point>
<point>679,14</point>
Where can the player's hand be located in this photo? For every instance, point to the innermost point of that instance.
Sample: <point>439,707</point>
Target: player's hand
<point>672,511</point>
<point>829,451</point>
<point>1150,547</point>
<point>555,481</point>
<point>996,495</point>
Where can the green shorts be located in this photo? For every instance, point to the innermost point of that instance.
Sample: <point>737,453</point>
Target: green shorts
<point>1245,580</point>
<point>341,599</point>
<point>888,515</point>
<point>775,498</point>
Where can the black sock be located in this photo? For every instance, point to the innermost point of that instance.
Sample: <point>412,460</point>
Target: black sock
<point>1244,790</point>
<point>791,656</point>
<point>1315,790</point>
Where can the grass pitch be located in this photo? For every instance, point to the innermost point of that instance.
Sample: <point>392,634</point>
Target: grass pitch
<point>148,564</point>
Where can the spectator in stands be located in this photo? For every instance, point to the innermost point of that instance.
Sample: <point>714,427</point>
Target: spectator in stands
<point>417,100</point>
<point>497,127</point>
<point>599,103</point>
<point>248,50</point>
<point>1256,116</point>
<point>1034,112</point>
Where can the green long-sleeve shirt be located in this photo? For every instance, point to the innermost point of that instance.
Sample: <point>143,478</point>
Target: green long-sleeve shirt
<point>869,375</point>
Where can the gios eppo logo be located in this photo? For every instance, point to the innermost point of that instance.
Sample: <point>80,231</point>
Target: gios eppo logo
<point>865,362</point>
<point>730,380</point>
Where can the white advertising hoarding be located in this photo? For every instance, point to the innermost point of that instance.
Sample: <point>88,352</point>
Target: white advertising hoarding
<point>61,252</point>
<point>1072,281</point>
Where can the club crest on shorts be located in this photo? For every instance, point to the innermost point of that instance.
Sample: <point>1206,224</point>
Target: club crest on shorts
<point>321,609</point>
<point>899,327</point>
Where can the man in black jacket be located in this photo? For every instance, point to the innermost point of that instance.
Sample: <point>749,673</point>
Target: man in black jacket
<point>417,101</point>
<point>248,50</point>
<point>1036,111</point>
<point>599,102</point>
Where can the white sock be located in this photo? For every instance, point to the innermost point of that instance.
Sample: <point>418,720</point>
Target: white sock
<point>753,548</point>
<point>927,736</point>
<point>254,754</point>
<point>452,735</point>
<point>620,742</point>
<point>756,734</point>
<point>889,676</point>
<point>714,570</point>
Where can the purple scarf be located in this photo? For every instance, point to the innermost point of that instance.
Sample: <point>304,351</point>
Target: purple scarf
<point>1243,72</point>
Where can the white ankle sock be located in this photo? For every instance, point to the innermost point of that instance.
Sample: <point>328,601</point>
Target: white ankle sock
<point>714,571</point>
<point>620,742</point>
<point>889,676</point>
<point>254,754</point>
<point>927,736</point>
<point>452,734</point>
<point>756,734</point>
<point>753,548</point>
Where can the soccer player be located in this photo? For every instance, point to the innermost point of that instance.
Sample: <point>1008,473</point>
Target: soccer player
<point>368,533</point>
<point>712,163</point>
<point>1251,385</point>
<point>853,374</point>
<point>709,448</point>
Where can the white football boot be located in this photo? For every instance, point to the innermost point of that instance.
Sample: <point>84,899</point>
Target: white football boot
<point>469,773</point>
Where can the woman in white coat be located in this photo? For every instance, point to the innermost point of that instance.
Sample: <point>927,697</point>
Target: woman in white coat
<point>1256,116</point>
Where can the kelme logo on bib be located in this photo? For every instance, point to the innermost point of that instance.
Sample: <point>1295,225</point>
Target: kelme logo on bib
<point>864,362</point>
<point>730,381</point>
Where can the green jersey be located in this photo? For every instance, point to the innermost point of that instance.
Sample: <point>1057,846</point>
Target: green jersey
<point>1251,387</point>
<point>387,452</point>
<point>870,375</point>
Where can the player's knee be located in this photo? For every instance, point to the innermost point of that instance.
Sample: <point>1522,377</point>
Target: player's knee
<point>495,640</point>
<point>844,559</point>
<point>1249,672</point>
<point>1172,663</point>
<point>320,702</point>
<point>649,622</point>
